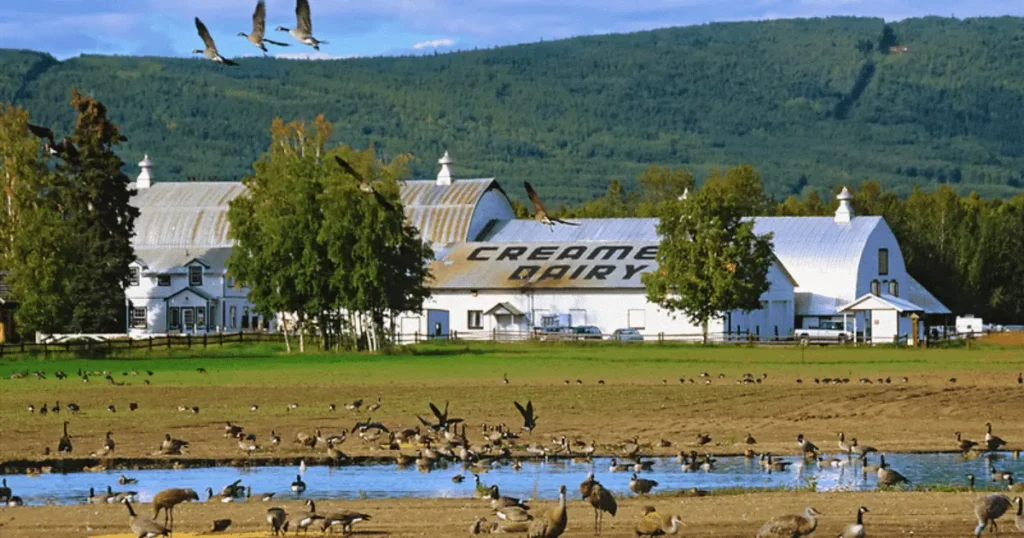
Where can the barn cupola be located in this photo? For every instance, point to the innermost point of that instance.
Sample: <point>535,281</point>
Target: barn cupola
<point>145,179</point>
<point>444,177</point>
<point>845,211</point>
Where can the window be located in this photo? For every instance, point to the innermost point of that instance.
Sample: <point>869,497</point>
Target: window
<point>894,288</point>
<point>187,318</point>
<point>163,280</point>
<point>876,287</point>
<point>230,281</point>
<point>232,315</point>
<point>195,275</point>
<point>475,319</point>
<point>139,317</point>
<point>174,320</point>
<point>883,261</point>
<point>133,276</point>
<point>245,317</point>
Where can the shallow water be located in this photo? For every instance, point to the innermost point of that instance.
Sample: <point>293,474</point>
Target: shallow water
<point>536,477</point>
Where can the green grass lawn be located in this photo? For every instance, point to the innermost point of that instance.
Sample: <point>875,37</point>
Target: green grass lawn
<point>257,364</point>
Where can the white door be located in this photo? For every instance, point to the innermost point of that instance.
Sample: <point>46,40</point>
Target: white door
<point>188,319</point>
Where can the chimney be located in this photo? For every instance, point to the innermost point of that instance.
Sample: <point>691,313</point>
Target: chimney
<point>844,212</point>
<point>145,179</point>
<point>444,177</point>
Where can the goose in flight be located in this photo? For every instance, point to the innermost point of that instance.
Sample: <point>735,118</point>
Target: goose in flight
<point>540,213</point>
<point>259,23</point>
<point>65,149</point>
<point>364,186</point>
<point>211,48</point>
<point>303,31</point>
<point>529,419</point>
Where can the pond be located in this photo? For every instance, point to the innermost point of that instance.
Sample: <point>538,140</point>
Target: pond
<point>536,477</point>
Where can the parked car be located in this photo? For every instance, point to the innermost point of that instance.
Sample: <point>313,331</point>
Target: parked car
<point>554,333</point>
<point>587,332</point>
<point>825,332</point>
<point>627,335</point>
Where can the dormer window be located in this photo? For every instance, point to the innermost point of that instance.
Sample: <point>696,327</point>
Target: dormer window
<point>894,288</point>
<point>195,275</point>
<point>163,280</point>
<point>133,276</point>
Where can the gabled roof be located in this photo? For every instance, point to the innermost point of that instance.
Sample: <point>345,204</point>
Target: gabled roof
<point>504,309</point>
<point>169,260</point>
<point>443,213</point>
<point>184,215</point>
<point>189,289</point>
<point>920,295</point>
<point>870,301</point>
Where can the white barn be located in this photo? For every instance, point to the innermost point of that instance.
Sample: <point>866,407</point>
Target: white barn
<point>494,274</point>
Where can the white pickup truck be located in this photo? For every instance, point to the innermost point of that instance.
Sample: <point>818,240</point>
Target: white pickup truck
<point>827,332</point>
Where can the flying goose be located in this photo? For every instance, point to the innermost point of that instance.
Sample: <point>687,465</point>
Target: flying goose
<point>855,530</point>
<point>364,186</point>
<point>303,31</point>
<point>540,213</point>
<point>143,527</point>
<point>210,52</point>
<point>259,22</point>
<point>529,419</point>
<point>988,509</point>
<point>791,526</point>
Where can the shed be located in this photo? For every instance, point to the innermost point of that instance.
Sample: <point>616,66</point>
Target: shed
<point>890,319</point>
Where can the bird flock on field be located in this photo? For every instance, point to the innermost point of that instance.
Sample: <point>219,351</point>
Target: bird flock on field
<point>440,439</point>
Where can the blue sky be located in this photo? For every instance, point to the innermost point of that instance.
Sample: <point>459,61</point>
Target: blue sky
<point>67,28</point>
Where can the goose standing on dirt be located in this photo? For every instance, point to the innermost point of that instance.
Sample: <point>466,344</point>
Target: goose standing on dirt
<point>529,419</point>
<point>277,518</point>
<point>988,509</point>
<point>143,527</point>
<point>210,52</point>
<point>991,441</point>
<point>552,523</point>
<point>303,520</point>
<point>303,30</point>
<point>344,519</point>
<point>1011,485</point>
<point>259,23</point>
<point>855,530</point>
<point>651,523</point>
<point>64,444</point>
<point>791,526</point>
<point>600,498</point>
<point>498,501</point>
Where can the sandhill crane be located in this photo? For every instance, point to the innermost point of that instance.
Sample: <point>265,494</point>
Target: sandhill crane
<point>600,498</point>
<point>167,499</point>
<point>651,523</point>
<point>552,523</point>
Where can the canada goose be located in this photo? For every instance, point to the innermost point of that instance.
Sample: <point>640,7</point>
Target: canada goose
<point>132,406</point>
<point>167,499</point>
<point>277,518</point>
<point>703,439</point>
<point>64,445</point>
<point>5,492</point>
<point>690,465</point>
<point>172,446</point>
<point>504,378</point>
<point>970,482</point>
<point>540,212</point>
<point>231,430</point>
<point>355,405</point>
<point>991,441</point>
<point>640,466</point>
<point>1020,378</point>
<point>344,519</point>
<point>997,476</point>
<point>773,465</point>
<point>631,448</point>
<point>95,498</point>
<point>259,22</point>
<point>210,52</point>
<point>550,524</point>
<point>843,447</point>
<point>1019,518</point>
<point>888,477</point>
<point>806,446</point>
<point>220,525</point>
<point>365,187</point>
<point>218,498</point>
<point>529,419</point>
<point>855,530</point>
<point>651,523</point>
<point>641,486</point>
<point>234,489</point>
<point>108,444</point>
<point>988,509</point>
<point>143,527</point>
<point>1011,485</point>
<point>749,439</point>
<point>302,520</point>
<point>298,486</point>
<point>374,406</point>
<point>303,31</point>
<point>858,450</point>
<point>116,497</point>
<point>964,444</point>
<point>616,467</point>
<point>600,498</point>
<point>498,501</point>
<point>791,526</point>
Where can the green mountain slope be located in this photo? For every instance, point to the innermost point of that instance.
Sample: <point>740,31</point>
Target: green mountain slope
<point>802,100</point>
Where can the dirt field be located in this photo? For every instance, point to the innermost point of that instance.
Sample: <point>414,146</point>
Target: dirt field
<point>931,515</point>
<point>642,396</point>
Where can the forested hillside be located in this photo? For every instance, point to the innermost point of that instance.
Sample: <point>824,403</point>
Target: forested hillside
<point>810,103</point>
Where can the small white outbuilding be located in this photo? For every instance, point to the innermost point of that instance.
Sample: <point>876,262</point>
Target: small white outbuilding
<point>889,319</point>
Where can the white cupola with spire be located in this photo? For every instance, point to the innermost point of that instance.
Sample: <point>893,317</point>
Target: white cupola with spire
<point>845,211</point>
<point>444,177</point>
<point>145,179</point>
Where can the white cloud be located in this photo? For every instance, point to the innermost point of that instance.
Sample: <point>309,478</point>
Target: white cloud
<point>313,56</point>
<point>434,44</point>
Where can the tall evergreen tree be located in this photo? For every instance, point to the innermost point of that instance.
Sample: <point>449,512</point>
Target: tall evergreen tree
<point>710,260</point>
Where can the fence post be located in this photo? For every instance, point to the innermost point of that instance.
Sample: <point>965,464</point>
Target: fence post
<point>168,341</point>
<point>204,340</point>
<point>241,339</point>
<point>221,340</point>
<point>150,342</point>
<point>110,346</point>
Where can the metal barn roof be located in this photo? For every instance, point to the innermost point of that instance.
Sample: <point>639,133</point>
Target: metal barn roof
<point>184,215</point>
<point>920,295</point>
<point>443,213</point>
<point>530,231</point>
<point>166,260</point>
